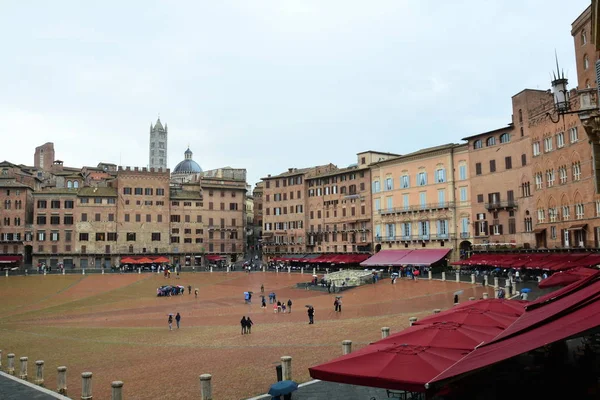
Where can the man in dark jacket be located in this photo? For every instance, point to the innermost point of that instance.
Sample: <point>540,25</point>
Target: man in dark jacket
<point>289,304</point>
<point>311,315</point>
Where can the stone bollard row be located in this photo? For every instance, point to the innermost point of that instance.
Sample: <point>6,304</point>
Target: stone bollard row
<point>61,379</point>
<point>39,373</point>
<point>86,386</point>
<point>346,347</point>
<point>412,320</point>
<point>286,368</point>
<point>10,364</point>
<point>206,387</point>
<point>23,373</point>
<point>385,332</point>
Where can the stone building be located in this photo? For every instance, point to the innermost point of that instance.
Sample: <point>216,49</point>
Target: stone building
<point>44,156</point>
<point>187,169</point>
<point>423,200</point>
<point>157,154</point>
<point>257,198</point>
<point>16,205</point>
<point>187,224</point>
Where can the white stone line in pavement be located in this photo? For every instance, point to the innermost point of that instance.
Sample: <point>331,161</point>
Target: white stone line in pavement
<point>35,387</point>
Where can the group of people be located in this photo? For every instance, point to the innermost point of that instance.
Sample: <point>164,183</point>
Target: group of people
<point>246,323</point>
<point>280,306</point>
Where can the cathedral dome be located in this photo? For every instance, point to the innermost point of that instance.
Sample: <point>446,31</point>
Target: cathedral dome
<point>187,166</point>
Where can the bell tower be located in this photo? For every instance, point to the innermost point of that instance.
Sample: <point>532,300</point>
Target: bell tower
<point>157,157</point>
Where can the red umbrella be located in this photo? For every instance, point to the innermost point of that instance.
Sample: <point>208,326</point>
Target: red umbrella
<point>391,366</point>
<point>501,306</point>
<point>161,259</point>
<point>450,335</point>
<point>565,278</point>
<point>127,260</point>
<point>471,317</point>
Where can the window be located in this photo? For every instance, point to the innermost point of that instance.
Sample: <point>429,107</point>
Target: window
<point>41,204</point>
<point>156,236</point>
<point>512,226</point>
<point>490,141</point>
<point>40,220</point>
<point>560,140</point>
<point>539,181</point>
<point>442,198</point>
<point>536,149</point>
<point>55,204</point>
<point>573,135</point>
<point>463,194</point>
<point>478,144</point>
<point>583,38</point>
<point>586,61</point>
<point>478,168</point>
<point>376,188</point>
<point>550,178</point>
<point>423,199</point>
<point>577,171</point>
<point>480,198</point>
<point>562,174</point>
<point>464,227</point>
<point>523,160</point>
<point>541,215</point>
<point>462,172</point>
<point>55,219</point>
<point>404,181</point>
<point>175,218</point>
<point>508,162</point>
<point>422,178</point>
<point>111,217</point>
<point>54,236</point>
<point>148,191</point>
<point>138,218</point>
<point>126,217</point>
<point>440,175</point>
<point>84,200</point>
<point>548,144</point>
<point>528,222</point>
<point>390,203</point>
<point>83,237</point>
<point>579,211</point>
<point>504,138</point>
<point>131,236</point>
<point>389,184</point>
<point>148,218</point>
<point>553,214</point>
<point>100,237</point>
<point>98,200</point>
<point>127,190</point>
<point>492,165</point>
<point>160,192</point>
<point>138,191</point>
<point>566,213</point>
<point>84,217</point>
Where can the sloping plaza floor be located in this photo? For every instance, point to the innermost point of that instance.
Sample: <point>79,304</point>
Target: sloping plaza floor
<point>114,326</point>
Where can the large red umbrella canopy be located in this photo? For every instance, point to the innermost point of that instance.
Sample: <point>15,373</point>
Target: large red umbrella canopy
<point>564,278</point>
<point>450,335</point>
<point>161,260</point>
<point>127,260</point>
<point>471,317</point>
<point>144,260</point>
<point>390,366</point>
<point>501,306</point>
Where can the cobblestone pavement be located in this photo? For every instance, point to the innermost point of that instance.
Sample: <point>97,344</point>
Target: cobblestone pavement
<point>117,328</point>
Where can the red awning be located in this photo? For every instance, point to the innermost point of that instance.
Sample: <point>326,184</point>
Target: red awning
<point>424,257</point>
<point>502,306</point>
<point>144,260</point>
<point>564,278</point>
<point>393,366</point>
<point>471,317</point>
<point>127,260</point>
<point>160,260</point>
<point>575,310</point>
<point>213,257</point>
<point>386,258</point>
<point>10,259</point>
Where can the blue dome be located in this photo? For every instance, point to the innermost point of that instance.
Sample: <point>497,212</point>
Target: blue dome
<point>187,166</point>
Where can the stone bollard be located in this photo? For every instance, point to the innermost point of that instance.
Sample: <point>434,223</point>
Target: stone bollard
<point>430,275</point>
<point>211,268</point>
<point>23,373</point>
<point>437,311</point>
<point>39,373</point>
<point>314,271</point>
<point>63,271</point>
<point>83,272</point>
<point>346,347</point>
<point>102,271</point>
<point>86,386</point>
<point>61,378</point>
<point>486,295</point>
<point>385,332</point>
<point>443,275</point>
<point>139,270</point>
<point>206,387</point>
<point>485,280</point>
<point>514,288</point>
<point>228,269</point>
<point>289,270</point>
<point>539,279</point>
<point>117,390</point>
<point>496,283</point>
<point>26,273</point>
<point>457,276</point>
<point>264,269</point>
<point>471,298</point>
<point>473,279</point>
<point>302,270</point>
<point>507,289</point>
<point>6,273</point>
<point>10,366</point>
<point>286,368</point>
<point>44,272</point>
<point>412,320</point>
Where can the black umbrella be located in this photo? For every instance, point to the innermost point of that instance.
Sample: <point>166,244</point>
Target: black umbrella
<point>308,305</point>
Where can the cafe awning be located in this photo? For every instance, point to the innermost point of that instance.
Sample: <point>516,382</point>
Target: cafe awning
<point>10,259</point>
<point>424,257</point>
<point>386,258</point>
<point>213,257</point>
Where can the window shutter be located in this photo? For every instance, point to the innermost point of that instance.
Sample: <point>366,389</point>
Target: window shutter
<point>427,228</point>
<point>500,229</point>
<point>420,228</point>
<point>439,226</point>
<point>443,175</point>
<point>409,229</point>
<point>485,227</point>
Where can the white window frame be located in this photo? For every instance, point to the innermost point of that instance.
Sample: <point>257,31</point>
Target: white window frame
<point>539,181</point>
<point>404,182</point>
<point>440,175</point>
<point>573,135</point>
<point>560,140</point>
<point>389,184</point>
<point>562,171</point>
<point>550,178</point>
<point>576,171</point>
<point>541,215</point>
<point>579,211</point>
<point>421,178</point>
<point>536,149</point>
<point>566,213</point>
<point>548,144</point>
<point>376,186</point>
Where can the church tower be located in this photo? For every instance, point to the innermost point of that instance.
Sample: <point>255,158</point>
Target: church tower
<point>158,145</point>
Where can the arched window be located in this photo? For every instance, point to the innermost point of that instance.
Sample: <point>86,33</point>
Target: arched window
<point>588,85</point>
<point>490,141</point>
<point>69,184</point>
<point>583,38</point>
<point>76,184</point>
<point>520,115</point>
<point>504,138</point>
<point>478,144</point>
<point>586,62</point>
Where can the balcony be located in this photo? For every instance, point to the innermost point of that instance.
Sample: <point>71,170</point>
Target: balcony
<point>414,238</point>
<point>422,207</point>
<point>465,235</point>
<point>497,205</point>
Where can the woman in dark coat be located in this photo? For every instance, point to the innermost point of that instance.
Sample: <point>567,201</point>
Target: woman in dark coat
<point>249,324</point>
<point>244,324</point>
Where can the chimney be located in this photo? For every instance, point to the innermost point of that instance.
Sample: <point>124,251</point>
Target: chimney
<point>290,169</point>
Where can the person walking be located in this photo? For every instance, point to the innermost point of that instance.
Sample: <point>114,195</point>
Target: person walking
<point>339,301</point>
<point>289,304</point>
<point>177,319</point>
<point>170,320</point>
<point>196,292</point>
<point>262,288</point>
<point>244,324</point>
<point>249,324</point>
<point>311,315</point>
<point>189,289</point>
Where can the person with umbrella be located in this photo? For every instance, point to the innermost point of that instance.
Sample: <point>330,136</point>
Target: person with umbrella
<point>311,314</point>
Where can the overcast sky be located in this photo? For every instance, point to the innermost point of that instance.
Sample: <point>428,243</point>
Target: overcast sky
<point>268,84</point>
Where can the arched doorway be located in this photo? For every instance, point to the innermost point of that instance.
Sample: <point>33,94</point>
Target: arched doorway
<point>465,248</point>
<point>28,258</point>
<point>378,248</point>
